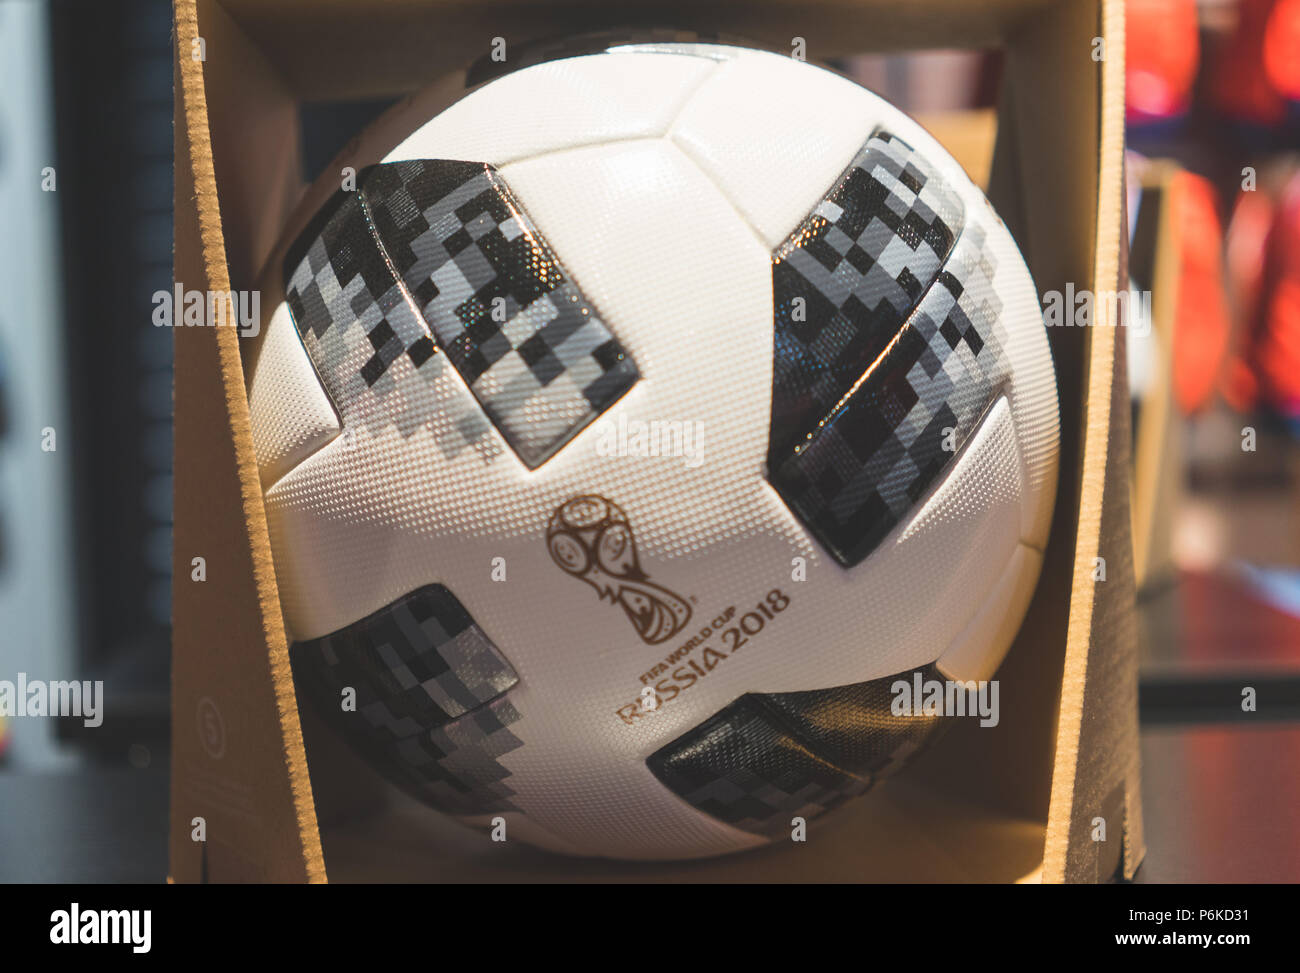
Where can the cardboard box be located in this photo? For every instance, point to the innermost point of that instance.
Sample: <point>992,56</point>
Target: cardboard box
<point>1017,802</point>
<point>1158,469</point>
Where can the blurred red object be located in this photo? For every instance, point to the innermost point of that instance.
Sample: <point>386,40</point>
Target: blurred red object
<point>1163,51</point>
<point>1203,325</point>
<point>1254,67</point>
<point>1264,264</point>
<point>1282,48</point>
<point>1279,346</point>
<point>1247,251</point>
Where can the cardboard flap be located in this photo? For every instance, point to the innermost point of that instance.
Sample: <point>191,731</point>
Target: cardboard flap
<point>1158,448</point>
<point>238,768</point>
<point>1096,781</point>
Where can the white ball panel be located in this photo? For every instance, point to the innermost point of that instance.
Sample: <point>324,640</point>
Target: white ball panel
<point>774,134</point>
<point>294,417</point>
<point>560,105</point>
<point>968,658</point>
<point>714,52</point>
<point>1032,388</point>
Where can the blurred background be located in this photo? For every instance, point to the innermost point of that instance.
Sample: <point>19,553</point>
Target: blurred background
<point>1214,368</point>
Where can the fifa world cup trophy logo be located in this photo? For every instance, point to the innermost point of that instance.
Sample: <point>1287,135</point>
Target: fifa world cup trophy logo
<point>590,538</point>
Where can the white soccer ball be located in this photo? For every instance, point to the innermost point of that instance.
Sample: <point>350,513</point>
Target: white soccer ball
<point>632,428</point>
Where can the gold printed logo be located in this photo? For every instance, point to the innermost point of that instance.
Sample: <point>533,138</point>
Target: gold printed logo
<point>591,539</point>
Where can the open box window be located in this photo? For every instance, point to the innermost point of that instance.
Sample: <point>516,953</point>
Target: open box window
<point>998,804</point>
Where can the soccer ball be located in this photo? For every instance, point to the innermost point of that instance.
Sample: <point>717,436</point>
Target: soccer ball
<point>632,429</point>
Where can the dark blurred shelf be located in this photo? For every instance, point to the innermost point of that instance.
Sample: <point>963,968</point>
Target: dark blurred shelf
<point>1221,804</point>
<point>1210,623</point>
<point>137,708</point>
<point>1205,637</point>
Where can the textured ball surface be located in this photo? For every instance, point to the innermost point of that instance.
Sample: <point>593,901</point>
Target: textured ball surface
<point>628,431</point>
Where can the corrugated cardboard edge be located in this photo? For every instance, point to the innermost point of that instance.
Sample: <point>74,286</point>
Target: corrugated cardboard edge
<point>192,98</point>
<point>1097,768</point>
